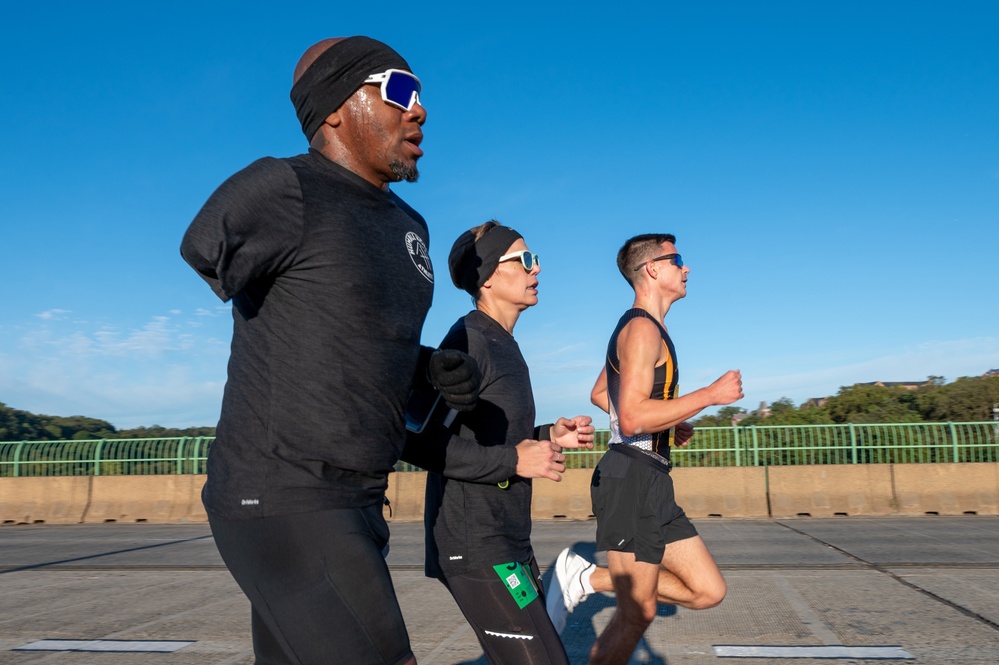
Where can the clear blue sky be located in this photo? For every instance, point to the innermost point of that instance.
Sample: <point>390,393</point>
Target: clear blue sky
<point>831,171</point>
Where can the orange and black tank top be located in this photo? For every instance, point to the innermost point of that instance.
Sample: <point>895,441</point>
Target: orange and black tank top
<point>664,386</point>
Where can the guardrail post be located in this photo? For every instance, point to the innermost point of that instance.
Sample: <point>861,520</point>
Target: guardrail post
<point>97,457</point>
<point>17,458</point>
<point>180,455</point>
<point>853,444</point>
<point>196,453</point>
<point>953,441</point>
<point>756,446</point>
<point>738,448</point>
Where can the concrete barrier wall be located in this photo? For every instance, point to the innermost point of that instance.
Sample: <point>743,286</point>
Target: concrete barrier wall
<point>56,500</point>
<point>567,499</point>
<point>406,496</point>
<point>721,491</point>
<point>818,491</point>
<point>831,490</point>
<point>947,489</point>
<point>716,492</point>
<point>145,499</point>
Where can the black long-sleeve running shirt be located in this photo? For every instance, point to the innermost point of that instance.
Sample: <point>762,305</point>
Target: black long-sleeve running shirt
<point>473,525</point>
<point>330,281</point>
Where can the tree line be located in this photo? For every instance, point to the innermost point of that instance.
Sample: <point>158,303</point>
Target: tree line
<point>18,425</point>
<point>968,399</point>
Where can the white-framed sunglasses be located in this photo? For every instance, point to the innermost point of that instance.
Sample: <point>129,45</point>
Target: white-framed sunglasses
<point>527,259</point>
<point>400,88</point>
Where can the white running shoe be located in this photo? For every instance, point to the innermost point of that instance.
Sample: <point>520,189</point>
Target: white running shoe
<point>565,590</point>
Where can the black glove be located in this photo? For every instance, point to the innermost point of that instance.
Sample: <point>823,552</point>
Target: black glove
<point>456,375</point>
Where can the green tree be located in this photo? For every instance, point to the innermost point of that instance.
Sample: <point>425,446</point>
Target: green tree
<point>964,400</point>
<point>721,419</point>
<point>783,412</point>
<point>18,425</point>
<point>872,404</point>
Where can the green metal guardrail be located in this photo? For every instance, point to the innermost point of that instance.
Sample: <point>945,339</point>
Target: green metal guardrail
<point>105,457</point>
<point>758,445</point>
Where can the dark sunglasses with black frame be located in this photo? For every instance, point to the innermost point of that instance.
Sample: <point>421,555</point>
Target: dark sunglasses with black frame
<point>675,259</point>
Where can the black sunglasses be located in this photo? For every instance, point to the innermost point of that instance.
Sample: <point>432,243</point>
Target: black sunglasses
<point>675,259</point>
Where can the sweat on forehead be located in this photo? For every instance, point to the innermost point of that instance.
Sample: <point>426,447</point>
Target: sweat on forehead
<point>336,74</point>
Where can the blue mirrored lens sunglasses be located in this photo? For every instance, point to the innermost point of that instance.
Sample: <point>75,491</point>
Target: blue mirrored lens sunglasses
<point>675,259</point>
<point>400,88</point>
<point>527,259</point>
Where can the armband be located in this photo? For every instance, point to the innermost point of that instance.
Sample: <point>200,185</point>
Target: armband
<point>543,432</point>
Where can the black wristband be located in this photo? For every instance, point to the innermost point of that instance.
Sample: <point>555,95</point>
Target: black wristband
<point>543,432</point>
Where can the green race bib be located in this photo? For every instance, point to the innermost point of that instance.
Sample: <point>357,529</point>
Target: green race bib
<point>518,582</point>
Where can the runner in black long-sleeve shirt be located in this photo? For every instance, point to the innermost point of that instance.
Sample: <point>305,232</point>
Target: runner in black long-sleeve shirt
<point>478,528</point>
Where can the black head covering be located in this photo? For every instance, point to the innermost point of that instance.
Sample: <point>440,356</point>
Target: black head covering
<point>336,74</point>
<point>473,261</point>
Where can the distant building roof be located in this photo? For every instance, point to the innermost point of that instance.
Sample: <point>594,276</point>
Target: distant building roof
<point>911,385</point>
<point>814,402</point>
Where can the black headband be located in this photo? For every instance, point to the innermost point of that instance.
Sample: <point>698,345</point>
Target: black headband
<point>481,259</point>
<point>336,74</point>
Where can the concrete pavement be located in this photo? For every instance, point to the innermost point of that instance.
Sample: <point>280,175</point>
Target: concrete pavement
<point>869,590</point>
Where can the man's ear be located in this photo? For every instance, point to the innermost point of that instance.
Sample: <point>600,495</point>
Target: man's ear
<point>324,135</point>
<point>334,119</point>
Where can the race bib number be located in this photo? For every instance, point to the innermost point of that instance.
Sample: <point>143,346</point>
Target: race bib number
<point>518,582</point>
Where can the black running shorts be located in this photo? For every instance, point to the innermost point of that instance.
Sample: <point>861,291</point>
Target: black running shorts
<point>318,585</point>
<point>635,508</point>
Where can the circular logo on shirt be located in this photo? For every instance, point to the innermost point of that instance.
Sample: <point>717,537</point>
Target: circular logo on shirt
<point>421,258</point>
